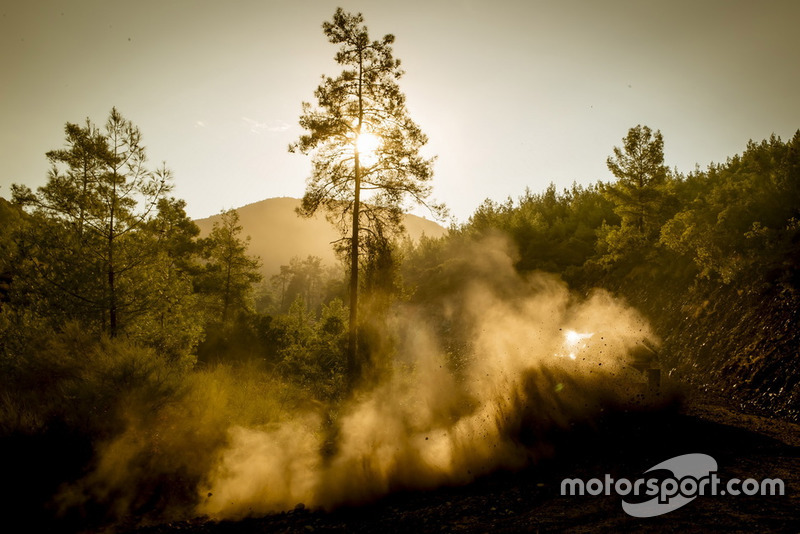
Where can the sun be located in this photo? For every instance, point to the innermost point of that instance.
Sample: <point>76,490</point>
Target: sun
<point>368,145</point>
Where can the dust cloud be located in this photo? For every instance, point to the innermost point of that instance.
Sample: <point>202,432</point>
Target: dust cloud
<point>532,357</point>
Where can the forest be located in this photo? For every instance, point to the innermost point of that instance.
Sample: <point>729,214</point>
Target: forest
<point>150,373</point>
<point>124,333</point>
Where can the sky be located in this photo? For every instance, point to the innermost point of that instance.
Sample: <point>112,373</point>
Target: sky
<point>512,94</point>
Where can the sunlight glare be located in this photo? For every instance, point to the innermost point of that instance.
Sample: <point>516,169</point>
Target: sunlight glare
<point>572,343</point>
<point>571,337</point>
<point>368,145</point>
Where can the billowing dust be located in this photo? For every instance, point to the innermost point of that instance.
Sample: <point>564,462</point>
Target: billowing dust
<point>534,357</point>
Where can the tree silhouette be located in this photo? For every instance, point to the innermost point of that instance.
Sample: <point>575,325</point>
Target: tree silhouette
<point>640,170</point>
<point>99,194</point>
<point>366,162</point>
<point>230,272</point>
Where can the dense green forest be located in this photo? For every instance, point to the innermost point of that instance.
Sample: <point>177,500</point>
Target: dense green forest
<point>711,258</point>
<point>130,345</point>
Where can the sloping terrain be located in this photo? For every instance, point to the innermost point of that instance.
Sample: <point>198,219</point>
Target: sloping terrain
<point>277,233</point>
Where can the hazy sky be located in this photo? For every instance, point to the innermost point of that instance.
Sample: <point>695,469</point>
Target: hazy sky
<point>511,94</point>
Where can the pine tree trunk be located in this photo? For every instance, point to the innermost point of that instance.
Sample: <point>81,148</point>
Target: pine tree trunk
<point>352,352</point>
<point>112,295</point>
<point>227,295</point>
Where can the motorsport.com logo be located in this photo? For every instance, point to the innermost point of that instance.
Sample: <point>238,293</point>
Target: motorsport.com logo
<point>693,475</point>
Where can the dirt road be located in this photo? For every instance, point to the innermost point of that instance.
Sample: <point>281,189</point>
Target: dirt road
<point>621,444</point>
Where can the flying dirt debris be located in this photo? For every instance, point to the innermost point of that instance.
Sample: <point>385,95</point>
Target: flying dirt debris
<point>644,358</point>
<point>429,423</point>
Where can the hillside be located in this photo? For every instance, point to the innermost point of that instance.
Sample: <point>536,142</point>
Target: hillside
<point>277,233</point>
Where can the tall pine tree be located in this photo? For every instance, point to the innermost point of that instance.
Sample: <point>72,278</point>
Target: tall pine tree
<point>366,149</point>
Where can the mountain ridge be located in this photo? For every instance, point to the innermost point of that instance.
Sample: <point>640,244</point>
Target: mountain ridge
<point>277,233</point>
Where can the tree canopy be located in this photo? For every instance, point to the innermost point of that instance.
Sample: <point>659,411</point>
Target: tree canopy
<point>93,211</point>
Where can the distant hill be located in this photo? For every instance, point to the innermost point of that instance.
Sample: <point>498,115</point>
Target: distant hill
<point>277,233</point>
